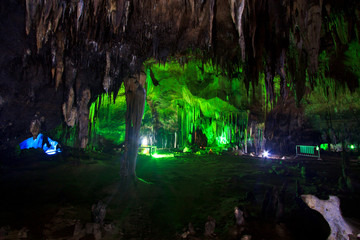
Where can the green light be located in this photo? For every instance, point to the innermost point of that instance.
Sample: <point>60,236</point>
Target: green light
<point>168,155</point>
<point>352,147</point>
<point>186,149</point>
<point>203,101</point>
<point>107,117</point>
<point>144,181</point>
<point>324,146</point>
<point>189,138</point>
<point>222,140</point>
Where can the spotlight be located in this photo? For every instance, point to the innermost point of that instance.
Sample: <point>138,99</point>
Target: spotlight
<point>144,141</point>
<point>265,154</point>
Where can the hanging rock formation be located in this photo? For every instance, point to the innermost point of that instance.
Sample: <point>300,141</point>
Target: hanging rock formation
<point>59,55</point>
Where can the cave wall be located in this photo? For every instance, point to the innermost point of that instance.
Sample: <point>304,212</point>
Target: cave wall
<point>59,55</point>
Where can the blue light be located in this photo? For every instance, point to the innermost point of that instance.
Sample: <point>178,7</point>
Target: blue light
<point>39,143</point>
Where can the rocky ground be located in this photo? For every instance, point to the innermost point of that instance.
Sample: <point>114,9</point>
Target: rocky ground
<point>78,195</point>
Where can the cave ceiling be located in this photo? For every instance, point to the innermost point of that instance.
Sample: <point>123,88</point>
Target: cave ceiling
<point>64,53</point>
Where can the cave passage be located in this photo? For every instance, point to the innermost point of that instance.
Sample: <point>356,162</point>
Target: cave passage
<point>173,119</point>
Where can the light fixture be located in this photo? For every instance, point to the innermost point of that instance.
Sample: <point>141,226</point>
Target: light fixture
<point>144,141</point>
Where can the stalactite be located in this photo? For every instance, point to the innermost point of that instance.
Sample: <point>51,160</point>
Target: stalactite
<point>312,43</point>
<point>116,16</point>
<point>59,59</point>
<point>58,13</point>
<point>107,79</point>
<point>127,11</point>
<point>79,13</point>
<point>212,5</point>
<point>31,11</point>
<point>237,10</point>
<point>96,6</point>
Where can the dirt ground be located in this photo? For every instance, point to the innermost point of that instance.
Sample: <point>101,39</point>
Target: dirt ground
<point>46,197</point>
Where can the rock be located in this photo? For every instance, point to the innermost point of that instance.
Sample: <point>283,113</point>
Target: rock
<point>97,231</point>
<point>239,216</point>
<point>79,231</point>
<point>273,204</point>
<point>282,231</point>
<point>23,233</point>
<point>98,211</point>
<point>69,111</point>
<point>83,118</point>
<point>35,127</point>
<point>7,233</point>
<point>236,231</point>
<point>330,209</point>
<point>4,231</point>
<point>109,228</point>
<point>89,227</point>
<point>210,227</point>
<point>191,229</point>
<point>94,229</point>
<point>245,237</point>
<point>185,234</point>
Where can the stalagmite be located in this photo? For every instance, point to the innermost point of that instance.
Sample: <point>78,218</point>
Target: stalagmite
<point>83,113</point>
<point>69,111</point>
<point>135,100</point>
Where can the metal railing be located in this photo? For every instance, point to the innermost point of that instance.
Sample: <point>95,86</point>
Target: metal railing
<point>308,151</point>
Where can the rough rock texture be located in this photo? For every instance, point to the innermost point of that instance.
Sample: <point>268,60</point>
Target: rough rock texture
<point>330,209</point>
<point>59,55</point>
<point>135,102</point>
<point>287,126</point>
<point>98,212</point>
<point>210,227</point>
<point>239,216</point>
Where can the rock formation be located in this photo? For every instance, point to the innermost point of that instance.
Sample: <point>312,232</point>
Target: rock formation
<point>58,55</point>
<point>330,209</point>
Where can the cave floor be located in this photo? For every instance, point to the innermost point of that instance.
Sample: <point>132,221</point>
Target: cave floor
<point>50,197</point>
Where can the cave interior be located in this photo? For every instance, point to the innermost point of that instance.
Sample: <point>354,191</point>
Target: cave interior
<point>170,113</point>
